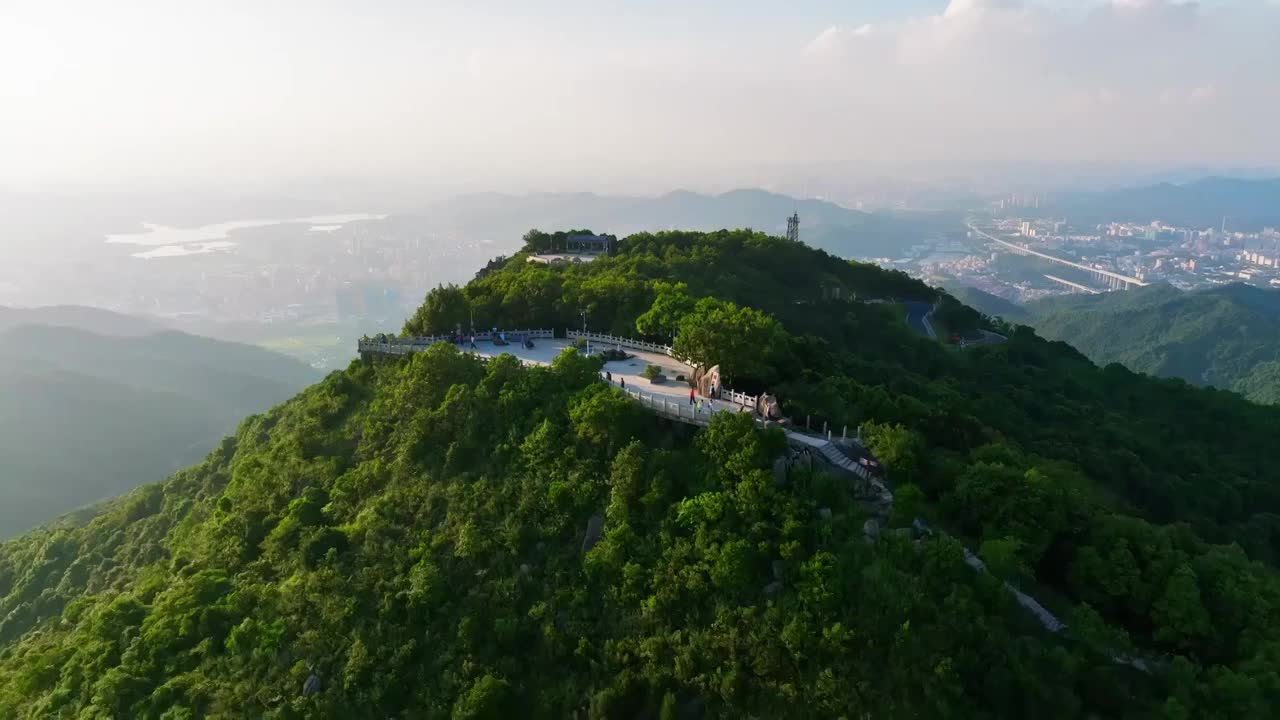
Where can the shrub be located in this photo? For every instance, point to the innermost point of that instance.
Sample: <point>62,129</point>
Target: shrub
<point>652,373</point>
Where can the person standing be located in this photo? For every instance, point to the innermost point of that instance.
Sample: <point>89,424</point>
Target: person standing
<point>690,396</point>
<point>623,383</point>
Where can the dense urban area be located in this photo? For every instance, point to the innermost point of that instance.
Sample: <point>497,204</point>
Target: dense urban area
<point>989,254</point>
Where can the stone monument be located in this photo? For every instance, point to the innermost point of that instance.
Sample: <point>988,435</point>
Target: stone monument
<point>708,379</point>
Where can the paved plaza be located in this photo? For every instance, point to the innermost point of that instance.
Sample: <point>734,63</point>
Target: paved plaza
<point>544,351</point>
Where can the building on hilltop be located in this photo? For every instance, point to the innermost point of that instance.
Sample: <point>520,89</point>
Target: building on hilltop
<point>592,244</point>
<point>793,227</point>
<point>576,248</point>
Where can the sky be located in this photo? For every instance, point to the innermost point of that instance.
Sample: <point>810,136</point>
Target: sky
<point>627,95</point>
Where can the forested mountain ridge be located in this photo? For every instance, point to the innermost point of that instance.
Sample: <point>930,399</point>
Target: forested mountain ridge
<point>1227,336</point>
<point>990,305</point>
<point>95,320</point>
<point>406,538</point>
<point>85,416</point>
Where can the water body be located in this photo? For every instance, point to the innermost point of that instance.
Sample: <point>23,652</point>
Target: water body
<point>180,250</point>
<point>161,235</point>
<point>943,256</point>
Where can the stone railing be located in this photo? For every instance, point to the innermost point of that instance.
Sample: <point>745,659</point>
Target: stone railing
<point>725,394</point>
<point>676,409</point>
<point>395,345</point>
<point>620,342</point>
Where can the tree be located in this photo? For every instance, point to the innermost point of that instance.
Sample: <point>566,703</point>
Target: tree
<point>536,241</point>
<point>1003,558</point>
<point>1179,616</point>
<point>897,447</point>
<point>742,341</point>
<point>490,698</point>
<point>663,317</point>
<point>445,308</point>
<point>601,414</point>
<point>908,504</point>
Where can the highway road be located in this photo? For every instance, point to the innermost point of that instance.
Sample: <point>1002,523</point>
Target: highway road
<point>918,318</point>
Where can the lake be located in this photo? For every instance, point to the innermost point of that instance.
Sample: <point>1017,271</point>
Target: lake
<point>163,235</point>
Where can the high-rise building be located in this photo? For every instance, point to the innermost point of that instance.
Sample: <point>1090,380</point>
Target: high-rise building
<point>793,227</point>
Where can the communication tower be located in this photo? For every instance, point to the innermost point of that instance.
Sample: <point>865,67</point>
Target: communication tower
<point>793,227</point>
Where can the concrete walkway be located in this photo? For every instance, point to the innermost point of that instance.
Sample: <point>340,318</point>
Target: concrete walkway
<point>630,370</point>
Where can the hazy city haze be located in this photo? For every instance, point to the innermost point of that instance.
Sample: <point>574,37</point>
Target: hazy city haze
<point>627,96</point>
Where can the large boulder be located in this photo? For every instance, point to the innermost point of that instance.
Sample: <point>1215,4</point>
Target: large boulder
<point>595,528</point>
<point>871,530</point>
<point>767,406</point>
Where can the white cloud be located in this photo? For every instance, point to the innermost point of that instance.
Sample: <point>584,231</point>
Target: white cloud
<point>1031,81</point>
<point>512,93</point>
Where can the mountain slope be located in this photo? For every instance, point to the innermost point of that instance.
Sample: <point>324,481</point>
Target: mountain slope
<point>988,304</point>
<point>408,537</point>
<point>1226,336</point>
<point>95,320</point>
<point>88,416</point>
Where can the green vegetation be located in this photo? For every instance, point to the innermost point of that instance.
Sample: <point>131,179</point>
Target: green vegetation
<point>1227,337</point>
<point>84,416</point>
<point>988,304</point>
<point>652,372</point>
<point>411,531</point>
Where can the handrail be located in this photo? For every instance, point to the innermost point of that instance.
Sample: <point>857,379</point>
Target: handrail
<point>732,396</point>
<point>662,405</point>
<point>621,342</point>
<point>396,345</point>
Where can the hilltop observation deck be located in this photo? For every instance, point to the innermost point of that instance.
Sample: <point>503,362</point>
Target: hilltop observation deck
<point>669,398</point>
<point>577,248</point>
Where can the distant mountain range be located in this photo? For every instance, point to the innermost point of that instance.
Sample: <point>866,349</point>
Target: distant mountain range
<point>1227,337</point>
<point>826,225</point>
<point>97,320</point>
<point>1247,204</point>
<point>95,403</point>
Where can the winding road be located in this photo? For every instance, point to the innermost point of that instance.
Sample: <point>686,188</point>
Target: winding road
<point>918,318</point>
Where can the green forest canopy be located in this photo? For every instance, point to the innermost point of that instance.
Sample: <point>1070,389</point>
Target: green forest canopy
<point>1225,336</point>
<point>410,531</point>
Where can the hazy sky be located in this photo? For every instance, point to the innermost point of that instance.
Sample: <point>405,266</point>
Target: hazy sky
<point>557,94</point>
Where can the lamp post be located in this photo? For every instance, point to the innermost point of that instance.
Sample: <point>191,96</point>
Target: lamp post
<point>583,313</point>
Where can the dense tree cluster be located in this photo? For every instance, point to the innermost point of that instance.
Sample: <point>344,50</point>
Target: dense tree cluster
<point>410,537</point>
<point>410,534</point>
<point>1224,336</point>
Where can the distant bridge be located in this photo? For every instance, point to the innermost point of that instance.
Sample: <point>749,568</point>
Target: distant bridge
<point>1115,281</point>
<point>1072,285</point>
